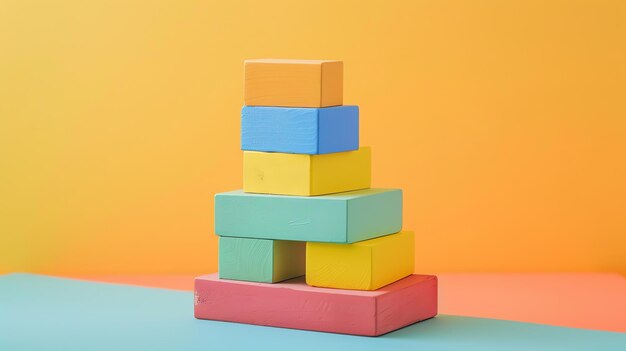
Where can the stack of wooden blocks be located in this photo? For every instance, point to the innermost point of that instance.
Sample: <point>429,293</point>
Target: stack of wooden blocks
<point>307,209</point>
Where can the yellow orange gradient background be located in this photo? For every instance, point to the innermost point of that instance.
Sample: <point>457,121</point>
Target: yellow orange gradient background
<point>503,121</point>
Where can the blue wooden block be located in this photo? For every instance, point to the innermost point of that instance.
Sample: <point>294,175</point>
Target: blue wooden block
<point>300,130</point>
<point>339,218</point>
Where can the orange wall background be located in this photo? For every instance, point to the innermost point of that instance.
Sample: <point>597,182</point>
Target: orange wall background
<point>503,121</point>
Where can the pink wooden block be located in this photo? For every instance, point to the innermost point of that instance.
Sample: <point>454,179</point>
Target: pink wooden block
<point>293,304</point>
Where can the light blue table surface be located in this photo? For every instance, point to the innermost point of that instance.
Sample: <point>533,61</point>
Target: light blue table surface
<point>45,313</point>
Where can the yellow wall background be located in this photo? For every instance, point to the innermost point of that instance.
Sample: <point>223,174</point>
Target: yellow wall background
<point>503,121</point>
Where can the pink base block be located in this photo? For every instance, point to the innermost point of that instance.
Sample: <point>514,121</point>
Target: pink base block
<point>293,304</point>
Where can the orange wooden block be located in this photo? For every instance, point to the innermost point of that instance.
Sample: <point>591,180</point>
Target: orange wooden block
<point>293,83</point>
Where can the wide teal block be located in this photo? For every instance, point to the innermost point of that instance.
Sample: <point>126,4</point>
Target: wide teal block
<point>261,260</point>
<point>338,218</point>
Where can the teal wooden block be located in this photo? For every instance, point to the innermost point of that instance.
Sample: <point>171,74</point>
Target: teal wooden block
<point>339,218</point>
<point>260,260</point>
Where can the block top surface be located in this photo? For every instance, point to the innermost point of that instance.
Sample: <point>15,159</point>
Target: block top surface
<point>300,285</point>
<point>337,196</point>
<point>382,239</point>
<point>247,110</point>
<point>290,61</point>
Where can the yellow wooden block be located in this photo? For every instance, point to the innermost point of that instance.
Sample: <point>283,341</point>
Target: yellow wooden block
<point>306,175</point>
<point>364,265</point>
<point>293,83</point>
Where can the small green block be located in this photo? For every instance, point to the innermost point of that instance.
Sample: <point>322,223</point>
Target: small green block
<point>260,260</point>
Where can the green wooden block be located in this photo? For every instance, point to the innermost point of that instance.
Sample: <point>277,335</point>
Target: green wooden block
<point>338,218</point>
<point>261,260</point>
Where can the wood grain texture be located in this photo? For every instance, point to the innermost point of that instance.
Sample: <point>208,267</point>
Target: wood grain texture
<point>300,130</point>
<point>260,260</point>
<point>364,265</point>
<point>341,218</point>
<point>245,259</point>
<point>293,83</point>
<point>306,175</point>
<point>293,304</point>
